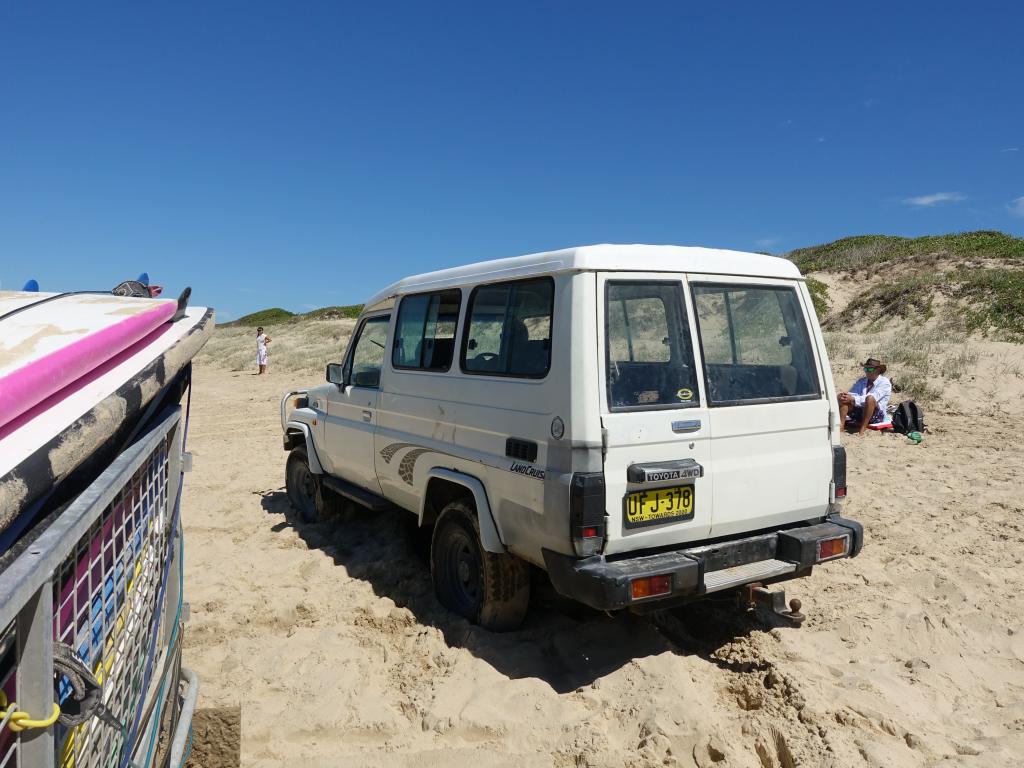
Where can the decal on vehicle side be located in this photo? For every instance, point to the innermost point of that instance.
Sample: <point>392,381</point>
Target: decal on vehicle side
<point>407,466</point>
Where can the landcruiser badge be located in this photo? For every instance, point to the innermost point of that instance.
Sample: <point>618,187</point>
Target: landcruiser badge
<point>526,469</point>
<point>656,472</point>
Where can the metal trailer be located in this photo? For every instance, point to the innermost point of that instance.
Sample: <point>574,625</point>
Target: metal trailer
<point>104,580</point>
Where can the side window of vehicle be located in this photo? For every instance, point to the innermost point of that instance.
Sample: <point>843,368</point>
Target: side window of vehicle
<point>509,329</point>
<point>425,332</point>
<point>755,344</point>
<point>368,353</point>
<point>648,350</point>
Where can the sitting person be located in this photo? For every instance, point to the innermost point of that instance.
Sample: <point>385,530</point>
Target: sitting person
<point>868,398</point>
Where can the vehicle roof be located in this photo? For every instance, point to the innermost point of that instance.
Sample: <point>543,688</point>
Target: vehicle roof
<point>604,258</point>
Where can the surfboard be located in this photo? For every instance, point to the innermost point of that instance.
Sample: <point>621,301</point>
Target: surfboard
<point>48,340</point>
<point>47,444</point>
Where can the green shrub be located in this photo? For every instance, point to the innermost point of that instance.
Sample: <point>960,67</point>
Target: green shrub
<point>263,317</point>
<point>863,251</point>
<point>350,311</point>
<point>995,298</point>
<point>989,300</point>
<point>819,296</point>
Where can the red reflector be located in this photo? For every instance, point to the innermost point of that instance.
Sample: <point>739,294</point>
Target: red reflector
<point>841,492</point>
<point>590,533</point>
<point>829,548</point>
<point>651,586</point>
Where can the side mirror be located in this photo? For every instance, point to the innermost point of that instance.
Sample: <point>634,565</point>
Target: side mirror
<point>336,374</point>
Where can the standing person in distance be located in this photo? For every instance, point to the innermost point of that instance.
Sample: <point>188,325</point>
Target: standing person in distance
<point>261,350</point>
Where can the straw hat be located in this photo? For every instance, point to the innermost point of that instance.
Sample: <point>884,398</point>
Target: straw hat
<point>874,362</point>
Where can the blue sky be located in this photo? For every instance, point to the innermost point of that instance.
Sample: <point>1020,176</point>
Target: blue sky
<point>304,154</point>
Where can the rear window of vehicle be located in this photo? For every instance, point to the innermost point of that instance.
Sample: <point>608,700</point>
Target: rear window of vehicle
<point>755,344</point>
<point>509,329</point>
<point>425,333</point>
<point>649,352</point>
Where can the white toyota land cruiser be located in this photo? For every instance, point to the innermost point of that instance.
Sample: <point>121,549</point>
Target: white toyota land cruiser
<point>647,424</point>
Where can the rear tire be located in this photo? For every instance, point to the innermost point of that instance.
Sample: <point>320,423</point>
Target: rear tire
<point>302,486</point>
<point>492,590</point>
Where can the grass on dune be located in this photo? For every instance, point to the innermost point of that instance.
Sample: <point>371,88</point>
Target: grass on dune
<point>263,317</point>
<point>863,251</point>
<point>992,300</point>
<point>275,315</point>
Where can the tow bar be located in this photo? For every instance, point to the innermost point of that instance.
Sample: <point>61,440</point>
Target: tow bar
<point>758,595</point>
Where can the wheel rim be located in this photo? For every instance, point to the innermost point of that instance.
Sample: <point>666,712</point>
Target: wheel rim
<point>463,574</point>
<point>304,487</point>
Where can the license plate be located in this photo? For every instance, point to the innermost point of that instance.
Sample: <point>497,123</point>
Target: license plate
<point>659,505</point>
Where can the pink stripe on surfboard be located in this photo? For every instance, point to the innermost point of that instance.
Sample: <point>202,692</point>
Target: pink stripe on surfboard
<point>30,385</point>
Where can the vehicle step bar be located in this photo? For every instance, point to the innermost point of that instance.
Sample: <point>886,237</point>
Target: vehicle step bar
<point>353,492</point>
<point>715,581</point>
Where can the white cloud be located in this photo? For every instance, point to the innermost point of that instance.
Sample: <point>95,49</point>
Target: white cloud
<point>1010,149</point>
<point>927,201</point>
<point>1017,207</point>
<point>767,243</point>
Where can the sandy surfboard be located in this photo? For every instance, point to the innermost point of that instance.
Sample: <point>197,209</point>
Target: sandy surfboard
<point>47,442</point>
<point>48,341</point>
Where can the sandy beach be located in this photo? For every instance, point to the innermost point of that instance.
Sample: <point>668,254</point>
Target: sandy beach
<point>325,641</point>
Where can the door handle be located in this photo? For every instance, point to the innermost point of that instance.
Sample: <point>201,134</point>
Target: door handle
<point>692,425</point>
<point>367,415</point>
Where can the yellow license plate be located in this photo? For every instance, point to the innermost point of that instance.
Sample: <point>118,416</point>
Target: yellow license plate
<point>657,506</point>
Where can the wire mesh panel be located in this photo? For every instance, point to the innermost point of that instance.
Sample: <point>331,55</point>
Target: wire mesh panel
<point>102,579</point>
<point>8,682</point>
<point>105,597</point>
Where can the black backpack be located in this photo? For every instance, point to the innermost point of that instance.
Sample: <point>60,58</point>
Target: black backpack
<point>908,417</point>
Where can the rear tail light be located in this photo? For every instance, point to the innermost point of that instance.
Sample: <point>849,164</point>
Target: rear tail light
<point>651,586</point>
<point>829,549</point>
<point>839,472</point>
<point>587,513</point>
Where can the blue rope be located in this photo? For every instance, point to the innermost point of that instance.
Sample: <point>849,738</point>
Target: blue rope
<point>188,748</point>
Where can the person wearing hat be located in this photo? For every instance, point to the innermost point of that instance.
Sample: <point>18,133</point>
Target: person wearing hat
<point>868,398</point>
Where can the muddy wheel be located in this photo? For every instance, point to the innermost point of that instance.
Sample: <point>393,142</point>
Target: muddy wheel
<point>302,486</point>
<point>492,590</point>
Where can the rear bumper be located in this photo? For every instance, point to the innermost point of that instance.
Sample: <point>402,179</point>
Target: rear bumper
<point>695,571</point>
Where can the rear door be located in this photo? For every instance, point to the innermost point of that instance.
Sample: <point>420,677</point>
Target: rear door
<point>768,412</point>
<point>658,476</point>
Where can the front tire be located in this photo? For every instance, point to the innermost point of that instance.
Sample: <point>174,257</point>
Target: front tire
<point>302,486</point>
<point>492,590</point>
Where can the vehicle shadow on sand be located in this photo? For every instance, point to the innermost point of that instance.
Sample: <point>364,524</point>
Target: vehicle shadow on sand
<point>561,642</point>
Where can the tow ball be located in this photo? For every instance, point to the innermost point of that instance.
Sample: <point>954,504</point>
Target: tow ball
<point>758,595</point>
